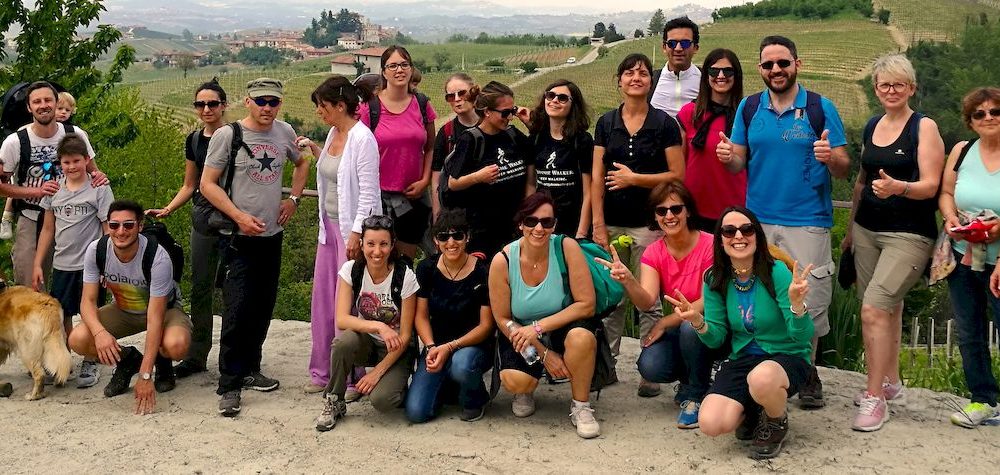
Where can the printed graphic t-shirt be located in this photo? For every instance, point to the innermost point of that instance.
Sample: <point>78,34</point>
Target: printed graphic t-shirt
<point>126,281</point>
<point>559,168</point>
<point>375,300</point>
<point>78,216</point>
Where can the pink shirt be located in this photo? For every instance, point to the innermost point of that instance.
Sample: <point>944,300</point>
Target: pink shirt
<point>685,274</point>
<point>714,189</point>
<point>401,138</point>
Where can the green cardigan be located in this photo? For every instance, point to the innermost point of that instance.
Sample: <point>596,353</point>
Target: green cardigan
<point>779,331</point>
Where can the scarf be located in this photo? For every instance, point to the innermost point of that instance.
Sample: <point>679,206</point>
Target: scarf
<point>714,110</point>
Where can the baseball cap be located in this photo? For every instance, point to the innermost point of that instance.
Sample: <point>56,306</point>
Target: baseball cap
<point>264,87</point>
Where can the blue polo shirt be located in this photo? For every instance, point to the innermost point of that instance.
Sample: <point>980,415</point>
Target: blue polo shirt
<point>786,185</point>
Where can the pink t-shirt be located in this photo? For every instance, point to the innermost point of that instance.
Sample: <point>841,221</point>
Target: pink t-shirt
<point>713,187</point>
<point>685,274</point>
<point>401,139</point>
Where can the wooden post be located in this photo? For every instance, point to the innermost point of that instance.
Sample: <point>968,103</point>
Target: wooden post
<point>930,345</point>
<point>947,339</point>
<point>914,332</point>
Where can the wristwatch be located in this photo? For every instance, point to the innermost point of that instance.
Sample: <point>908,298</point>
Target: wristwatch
<point>146,376</point>
<point>295,199</point>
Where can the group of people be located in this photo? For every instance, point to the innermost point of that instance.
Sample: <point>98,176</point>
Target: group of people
<point>718,202</point>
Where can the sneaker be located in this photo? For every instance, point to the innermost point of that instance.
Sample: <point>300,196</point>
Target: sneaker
<point>872,414</point>
<point>333,409</point>
<point>974,414</point>
<point>127,367</point>
<point>6,229</point>
<point>90,373</point>
<point>313,388</point>
<point>473,414</point>
<point>352,394</point>
<point>748,427</point>
<point>769,437</point>
<point>688,418</point>
<point>229,403</point>
<point>259,382</point>
<point>648,389</point>
<point>892,392</point>
<point>165,379</point>
<point>523,405</point>
<point>583,419</point>
<point>811,394</point>
<point>187,368</point>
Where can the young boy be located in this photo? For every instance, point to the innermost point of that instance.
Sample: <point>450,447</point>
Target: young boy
<point>65,108</point>
<point>74,217</point>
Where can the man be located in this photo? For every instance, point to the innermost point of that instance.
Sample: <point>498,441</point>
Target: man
<point>678,82</point>
<point>38,178</point>
<point>790,162</point>
<point>145,300</point>
<point>253,258</point>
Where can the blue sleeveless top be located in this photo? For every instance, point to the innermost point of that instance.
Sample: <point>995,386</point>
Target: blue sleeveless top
<point>528,303</point>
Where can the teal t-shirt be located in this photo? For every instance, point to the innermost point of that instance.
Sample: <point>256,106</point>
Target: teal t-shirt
<point>976,190</point>
<point>531,303</point>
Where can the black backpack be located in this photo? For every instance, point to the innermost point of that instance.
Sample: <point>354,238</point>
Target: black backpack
<point>157,236</point>
<point>375,110</point>
<point>395,286</point>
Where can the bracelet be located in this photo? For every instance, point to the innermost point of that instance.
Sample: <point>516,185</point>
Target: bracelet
<point>791,308</point>
<point>698,328</point>
<point>906,189</point>
<point>544,354</point>
<point>432,345</point>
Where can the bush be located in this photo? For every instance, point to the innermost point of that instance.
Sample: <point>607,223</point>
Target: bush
<point>529,67</point>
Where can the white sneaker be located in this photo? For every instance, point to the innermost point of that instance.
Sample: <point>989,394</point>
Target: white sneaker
<point>90,373</point>
<point>6,229</point>
<point>584,421</point>
<point>523,405</point>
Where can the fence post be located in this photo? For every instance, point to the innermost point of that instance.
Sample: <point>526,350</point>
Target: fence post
<point>930,345</point>
<point>947,339</point>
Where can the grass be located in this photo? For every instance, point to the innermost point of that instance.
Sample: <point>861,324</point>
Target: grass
<point>936,371</point>
<point>934,19</point>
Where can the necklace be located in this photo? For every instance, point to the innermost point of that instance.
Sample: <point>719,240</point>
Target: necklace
<point>459,271</point>
<point>744,286</point>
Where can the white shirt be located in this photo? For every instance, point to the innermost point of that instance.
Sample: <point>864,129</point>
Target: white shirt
<point>357,186</point>
<point>672,92</point>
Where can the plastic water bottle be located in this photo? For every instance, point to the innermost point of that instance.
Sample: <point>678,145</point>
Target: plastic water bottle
<point>530,354</point>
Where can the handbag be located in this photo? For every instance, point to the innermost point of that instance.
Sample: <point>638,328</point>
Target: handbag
<point>205,217</point>
<point>847,274</point>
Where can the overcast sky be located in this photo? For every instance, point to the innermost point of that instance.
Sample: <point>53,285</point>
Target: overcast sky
<point>556,6</point>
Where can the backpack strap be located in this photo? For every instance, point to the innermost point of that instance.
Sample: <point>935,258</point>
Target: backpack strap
<point>234,150</point>
<point>750,106</point>
<point>563,269</point>
<point>374,110</point>
<point>357,273</point>
<point>449,132</point>
<point>914,129</point>
<point>963,153</point>
<point>654,80</point>
<point>25,159</point>
<point>68,128</point>
<point>422,101</point>
<point>396,286</point>
<point>148,256</point>
<point>193,141</point>
<point>814,111</point>
<point>102,255</point>
<point>479,142</point>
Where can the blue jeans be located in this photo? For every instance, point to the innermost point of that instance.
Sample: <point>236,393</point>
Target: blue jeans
<point>969,292</point>
<point>465,368</point>
<point>679,355</point>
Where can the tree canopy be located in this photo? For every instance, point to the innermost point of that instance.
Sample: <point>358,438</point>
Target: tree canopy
<point>327,29</point>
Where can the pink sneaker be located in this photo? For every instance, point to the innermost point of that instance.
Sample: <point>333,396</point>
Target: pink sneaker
<point>892,392</point>
<point>872,414</point>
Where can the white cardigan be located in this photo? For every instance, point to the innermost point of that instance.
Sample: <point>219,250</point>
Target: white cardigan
<point>358,192</point>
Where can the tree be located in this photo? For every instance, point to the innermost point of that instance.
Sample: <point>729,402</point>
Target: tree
<point>656,23</point>
<point>359,67</point>
<point>186,63</point>
<point>260,56</point>
<point>883,16</point>
<point>441,60</point>
<point>529,67</point>
<point>483,38</point>
<point>638,33</point>
<point>599,30</point>
<point>188,36</point>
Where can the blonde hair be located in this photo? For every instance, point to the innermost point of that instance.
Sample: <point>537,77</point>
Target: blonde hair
<point>894,65</point>
<point>68,99</point>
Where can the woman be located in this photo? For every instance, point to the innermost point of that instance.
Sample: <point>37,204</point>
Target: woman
<point>967,189</point>
<point>893,227</point>
<point>456,94</point>
<point>488,173</point>
<point>714,188</point>
<point>454,323</point>
<point>347,183</point>
<point>210,105</point>
<point>563,155</point>
<point>405,136</point>
<point>757,303</point>
<point>535,305</point>
<point>636,147</point>
<point>375,309</point>
<point>672,350</point>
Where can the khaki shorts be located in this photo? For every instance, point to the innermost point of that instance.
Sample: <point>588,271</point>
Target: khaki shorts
<point>122,324</point>
<point>809,245</point>
<point>889,264</point>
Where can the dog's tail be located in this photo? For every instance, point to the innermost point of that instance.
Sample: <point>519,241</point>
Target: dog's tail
<point>56,358</point>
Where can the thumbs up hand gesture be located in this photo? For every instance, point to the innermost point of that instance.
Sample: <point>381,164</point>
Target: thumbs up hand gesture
<point>885,186</point>
<point>821,148</point>
<point>724,151</point>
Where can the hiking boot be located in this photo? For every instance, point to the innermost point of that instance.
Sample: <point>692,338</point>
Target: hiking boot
<point>352,394</point>
<point>811,394</point>
<point>313,388</point>
<point>873,412</point>
<point>891,392</point>
<point>974,414</point>
<point>165,380</point>
<point>90,373</point>
<point>127,367</point>
<point>333,409</point>
<point>523,405</point>
<point>748,427</point>
<point>187,368</point>
<point>688,418</point>
<point>259,382</point>
<point>229,403</point>
<point>648,389</point>
<point>583,419</point>
<point>473,414</point>
<point>769,437</point>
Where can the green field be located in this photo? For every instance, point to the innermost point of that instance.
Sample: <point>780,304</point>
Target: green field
<point>548,57</point>
<point>935,19</point>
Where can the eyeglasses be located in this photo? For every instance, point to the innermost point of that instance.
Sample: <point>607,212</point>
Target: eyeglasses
<point>377,222</point>
<point>672,44</point>
<point>209,104</point>
<point>397,66</point>
<point>261,102</point>
<point>547,222</point>
<point>726,72</point>
<point>675,210</point>
<point>451,97</point>
<point>505,113</point>
<point>128,225</point>
<point>884,87</point>
<point>561,98</point>
<point>729,230</point>
<point>782,63</point>
<point>981,114</point>
<point>444,236</point>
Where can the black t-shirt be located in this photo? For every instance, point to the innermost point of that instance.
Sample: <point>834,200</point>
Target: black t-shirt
<point>643,152</point>
<point>454,306</point>
<point>559,166</point>
<point>444,143</point>
<point>197,155</point>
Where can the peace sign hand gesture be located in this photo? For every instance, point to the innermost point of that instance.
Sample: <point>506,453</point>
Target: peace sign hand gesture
<point>799,287</point>
<point>618,270</point>
<point>684,309</point>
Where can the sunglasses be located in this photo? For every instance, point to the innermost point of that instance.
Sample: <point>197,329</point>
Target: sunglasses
<point>981,114</point>
<point>261,102</point>
<point>561,98</point>
<point>672,44</point>
<point>675,210</point>
<point>444,236</point>
<point>397,66</point>
<point>128,225</point>
<point>782,63</point>
<point>451,97</point>
<point>729,230</point>
<point>377,222</point>
<point>726,72</point>
<point>532,221</point>
<point>209,104</point>
<point>506,112</point>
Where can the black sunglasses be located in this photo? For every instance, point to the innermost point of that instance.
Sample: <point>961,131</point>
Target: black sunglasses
<point>506,112</point>
<point>729,230</point>
<point>532,221</point>
<point>561,98</point>
<point>261,102</point>
<point>661,211</point>
<point>726,72</point>
<point>209,104</point>
<point>128,225</point>
<point>377,222</point>
<point>981,114</point>
<point>782,63</point>
<point>444,236</point>
<point>672,44</point>
<point>450,97</point>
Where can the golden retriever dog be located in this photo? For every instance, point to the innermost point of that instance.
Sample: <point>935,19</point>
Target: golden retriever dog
<point>31,326</point>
